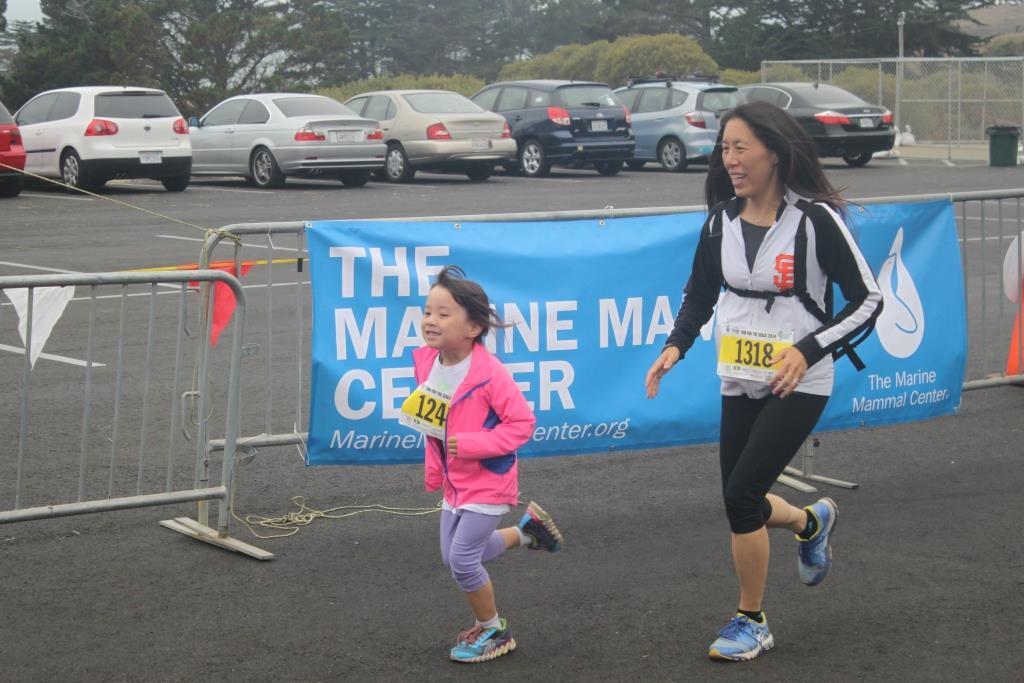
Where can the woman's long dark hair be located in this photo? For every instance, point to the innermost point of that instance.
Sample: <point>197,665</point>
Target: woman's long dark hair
<point>472,297</point>
<point>799,168</point>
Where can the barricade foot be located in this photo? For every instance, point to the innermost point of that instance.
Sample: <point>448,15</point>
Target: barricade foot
<point>795,483</point>
<point>190,527</point>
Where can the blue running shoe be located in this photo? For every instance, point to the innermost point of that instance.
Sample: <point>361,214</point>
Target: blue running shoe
<point>742,639</point>
<point>816,553</point>
<point>538,525</point>
<point>482,644</point>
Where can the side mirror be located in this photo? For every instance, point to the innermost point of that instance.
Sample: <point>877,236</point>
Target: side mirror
<point>193,122</point>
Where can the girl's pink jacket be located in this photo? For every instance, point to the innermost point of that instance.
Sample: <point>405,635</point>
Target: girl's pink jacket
<point>491,418</point>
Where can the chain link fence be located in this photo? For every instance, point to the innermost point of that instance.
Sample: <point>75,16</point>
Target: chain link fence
<point>947,101</point>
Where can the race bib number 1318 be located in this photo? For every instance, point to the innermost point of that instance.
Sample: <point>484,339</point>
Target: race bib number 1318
<point>748,353</point>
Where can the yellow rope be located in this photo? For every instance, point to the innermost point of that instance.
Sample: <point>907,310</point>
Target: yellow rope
<point>99,196</point>
<point>305,515</point>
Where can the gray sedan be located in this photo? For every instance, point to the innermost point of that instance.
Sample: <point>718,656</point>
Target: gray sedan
<point>266,137</point>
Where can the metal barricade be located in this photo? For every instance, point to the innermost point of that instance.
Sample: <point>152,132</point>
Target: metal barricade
<point>130,450</point>
<point>983,220</point>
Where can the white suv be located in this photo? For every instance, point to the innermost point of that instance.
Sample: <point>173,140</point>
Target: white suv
<point>87,136</point>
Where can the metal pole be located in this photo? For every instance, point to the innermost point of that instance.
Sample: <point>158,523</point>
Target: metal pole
<point>899,69</point>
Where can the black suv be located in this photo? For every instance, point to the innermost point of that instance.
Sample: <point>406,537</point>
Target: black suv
<point>562,122</point>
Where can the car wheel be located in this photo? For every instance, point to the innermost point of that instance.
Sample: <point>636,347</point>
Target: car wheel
<point>480,172</point>
<point>636,164</point>
<point>532,160</point>
<point>608,168</point>
<point>263,169</point>
<point>396,165</point>
<point>72,173</point>
<point>857,160</point>
<point>12,187</point>
<point>176,184</point>
<point>672,155</point>
<point>354,178</point>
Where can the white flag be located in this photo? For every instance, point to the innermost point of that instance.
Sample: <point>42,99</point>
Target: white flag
<point>48,304</point>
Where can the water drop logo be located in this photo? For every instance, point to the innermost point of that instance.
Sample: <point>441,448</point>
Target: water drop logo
<point>900,325</point>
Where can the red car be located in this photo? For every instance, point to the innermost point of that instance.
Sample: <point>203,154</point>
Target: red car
<point>12,156</point>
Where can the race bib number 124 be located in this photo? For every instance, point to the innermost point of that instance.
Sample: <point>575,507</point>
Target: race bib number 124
<point>426,410</point>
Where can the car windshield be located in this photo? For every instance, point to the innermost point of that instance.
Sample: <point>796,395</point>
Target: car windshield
<point>442,103</point>
<point>829,96</point>
<point>135,105</point>
<point>312,106</point>
<point>719,101</point>
<point>5,116</point>
<point>588,96</point>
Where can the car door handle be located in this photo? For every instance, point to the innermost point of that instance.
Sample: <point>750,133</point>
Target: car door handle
<point>518,118</point>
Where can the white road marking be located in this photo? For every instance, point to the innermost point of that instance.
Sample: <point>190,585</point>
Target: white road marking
<point>56,196</point>
<point>52,356</point>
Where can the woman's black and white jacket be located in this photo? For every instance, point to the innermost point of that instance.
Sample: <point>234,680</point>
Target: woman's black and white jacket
<point>832,255</point>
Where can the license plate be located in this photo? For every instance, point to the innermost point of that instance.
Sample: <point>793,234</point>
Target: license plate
<point>599,126</point>
<point>867,123</point>
<point>346,136</point>
<point>150,157</point>
<point>480,145</point>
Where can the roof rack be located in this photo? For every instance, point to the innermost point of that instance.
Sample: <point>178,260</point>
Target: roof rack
<point>669,80</point>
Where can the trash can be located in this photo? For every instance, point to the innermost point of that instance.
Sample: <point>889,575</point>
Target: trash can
<point>1002,145</point>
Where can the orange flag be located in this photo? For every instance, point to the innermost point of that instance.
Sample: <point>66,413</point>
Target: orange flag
<point>223,299</point>
<point>1013,356</point>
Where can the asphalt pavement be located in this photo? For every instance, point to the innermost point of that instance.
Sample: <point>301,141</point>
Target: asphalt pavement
<point>927,585</point>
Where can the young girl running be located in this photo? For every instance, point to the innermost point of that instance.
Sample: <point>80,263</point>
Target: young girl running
<point>475,418</point>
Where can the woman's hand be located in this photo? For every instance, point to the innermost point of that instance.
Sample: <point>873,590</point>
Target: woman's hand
<point>453,446</point>
<point>668,358</point>
<point>792,366</point>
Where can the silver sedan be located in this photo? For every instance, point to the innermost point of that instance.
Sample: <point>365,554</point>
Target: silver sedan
<point>267,137</point>
<point>436,130</point>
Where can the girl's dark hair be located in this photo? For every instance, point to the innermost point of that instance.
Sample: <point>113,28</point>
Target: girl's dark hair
<point>471,297</point>
<point>799,168</point>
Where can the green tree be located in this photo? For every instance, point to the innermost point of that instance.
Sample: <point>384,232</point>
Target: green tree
<point>615,18</point>
<point>748,31</point>
<point>83,43</point>
<point>200,51</point>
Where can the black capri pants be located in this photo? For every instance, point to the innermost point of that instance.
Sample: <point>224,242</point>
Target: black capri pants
<point>759,436</point>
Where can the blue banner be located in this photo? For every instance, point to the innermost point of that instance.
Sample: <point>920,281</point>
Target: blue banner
<point>593,302</point>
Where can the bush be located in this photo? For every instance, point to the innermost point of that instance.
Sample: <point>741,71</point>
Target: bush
<point>669,53</point>
<point>566,62</point>
<point>1005,45</point>
<point>466,85</point>
<point>613,63</point>
<point>738,77</point>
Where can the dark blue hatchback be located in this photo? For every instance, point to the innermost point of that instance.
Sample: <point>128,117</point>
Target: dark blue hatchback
<point>562,122</point>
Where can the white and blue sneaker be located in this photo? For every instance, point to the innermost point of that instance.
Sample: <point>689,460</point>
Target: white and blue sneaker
<point>815,553</point>
<point>742,639</point>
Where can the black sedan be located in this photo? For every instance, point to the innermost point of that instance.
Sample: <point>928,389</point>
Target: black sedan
<point>842,124</point>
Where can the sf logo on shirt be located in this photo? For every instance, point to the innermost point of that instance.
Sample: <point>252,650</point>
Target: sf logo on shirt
<point>785,266</point>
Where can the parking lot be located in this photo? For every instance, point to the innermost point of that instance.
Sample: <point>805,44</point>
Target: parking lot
<point>929,576</point>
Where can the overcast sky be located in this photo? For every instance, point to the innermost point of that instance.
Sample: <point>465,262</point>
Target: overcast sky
<point>23,10</point>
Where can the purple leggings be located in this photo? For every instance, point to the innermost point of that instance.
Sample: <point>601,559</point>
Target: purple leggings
<point>468,539</point>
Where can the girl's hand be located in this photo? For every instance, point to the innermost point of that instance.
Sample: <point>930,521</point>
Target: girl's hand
<point>792,366</point>
<point>453,446</point>
<point>662,365</point>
